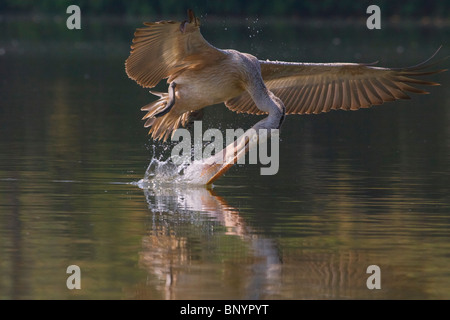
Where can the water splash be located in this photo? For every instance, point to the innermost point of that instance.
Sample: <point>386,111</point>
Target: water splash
<point>162,173</point>
<point>182,170</point>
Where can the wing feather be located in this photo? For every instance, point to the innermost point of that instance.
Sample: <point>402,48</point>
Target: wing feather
<point>346,95</point>
<point>321,99</point>
<point>363,97</point>
<point>165,48</point>
<point>320,87</point>
<point>329,96</point>
<point>338,95</point>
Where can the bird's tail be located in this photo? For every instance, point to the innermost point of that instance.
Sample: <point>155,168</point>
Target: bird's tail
<point>163,127</point>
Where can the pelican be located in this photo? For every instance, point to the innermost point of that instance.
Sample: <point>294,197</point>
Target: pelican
<point>199,75</point>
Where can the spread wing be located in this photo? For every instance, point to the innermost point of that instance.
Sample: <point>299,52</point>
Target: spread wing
<point>320,87</point>
<point>164,49</point>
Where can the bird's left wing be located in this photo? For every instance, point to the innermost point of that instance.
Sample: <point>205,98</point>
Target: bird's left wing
<point>164,49</point>
<point>320,87</point>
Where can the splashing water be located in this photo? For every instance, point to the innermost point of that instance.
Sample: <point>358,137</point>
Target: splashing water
<point>185,170</point>
<point>161,172</point>
<point>182,170</point>
<point>166,172</point>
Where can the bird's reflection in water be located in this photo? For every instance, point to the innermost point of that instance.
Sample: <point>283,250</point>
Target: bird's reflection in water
<point>197,240</point>
<point>200,247</point>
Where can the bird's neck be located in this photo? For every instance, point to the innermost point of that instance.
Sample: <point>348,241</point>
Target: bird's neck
<point>266,101</point>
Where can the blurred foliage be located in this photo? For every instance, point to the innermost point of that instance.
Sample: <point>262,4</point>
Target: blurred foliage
<point>325,8</point>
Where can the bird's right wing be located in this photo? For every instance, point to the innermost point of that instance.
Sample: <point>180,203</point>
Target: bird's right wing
<point>320,87</point>
<point>164,49</point>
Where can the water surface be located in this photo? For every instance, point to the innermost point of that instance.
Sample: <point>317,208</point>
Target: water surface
<point>354,188</point>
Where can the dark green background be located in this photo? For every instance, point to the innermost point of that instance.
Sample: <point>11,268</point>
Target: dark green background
<point>326,8</point>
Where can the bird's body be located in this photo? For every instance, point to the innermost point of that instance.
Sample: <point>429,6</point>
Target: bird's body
<point>200,75</point>
<point>192,85</point>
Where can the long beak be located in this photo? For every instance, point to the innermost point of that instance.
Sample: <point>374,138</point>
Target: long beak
<point>237,152</point>
<point>206,171</point>
<point>217,165</point>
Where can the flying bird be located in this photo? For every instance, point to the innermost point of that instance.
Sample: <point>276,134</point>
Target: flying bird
<point>200,75</point>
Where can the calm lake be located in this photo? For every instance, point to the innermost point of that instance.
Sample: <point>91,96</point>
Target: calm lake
<point>353,189</point>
